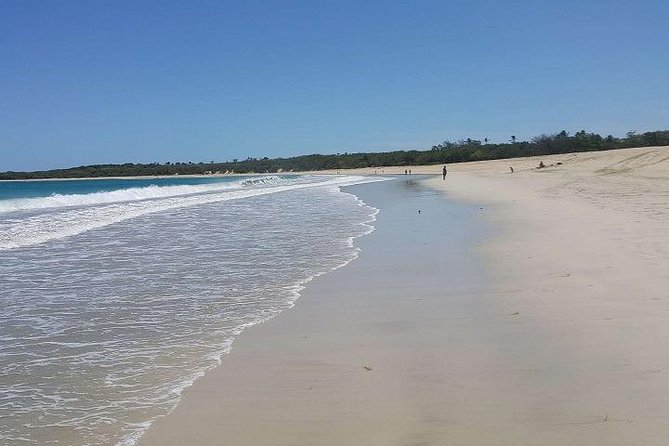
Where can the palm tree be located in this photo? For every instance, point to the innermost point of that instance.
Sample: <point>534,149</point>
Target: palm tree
<point>485,140</point>
<point>513,139</point>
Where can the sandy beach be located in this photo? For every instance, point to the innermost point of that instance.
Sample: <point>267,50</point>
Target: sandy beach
<point>525,308</point>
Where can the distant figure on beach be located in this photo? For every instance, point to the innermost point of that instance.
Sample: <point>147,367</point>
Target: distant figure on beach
<point>511,168</point>
<point>541,165</point>
<point>406,171</point>
<point>419,211</point>
<point>409,171</point>
<point>443,173</point>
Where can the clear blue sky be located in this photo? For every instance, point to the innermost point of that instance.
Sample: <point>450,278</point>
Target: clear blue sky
<point>140,81</point>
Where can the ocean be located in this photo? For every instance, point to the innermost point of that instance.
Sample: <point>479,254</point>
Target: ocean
<point>116,295</point>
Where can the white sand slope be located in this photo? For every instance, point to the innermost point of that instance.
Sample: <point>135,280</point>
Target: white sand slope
<point>582,255</point>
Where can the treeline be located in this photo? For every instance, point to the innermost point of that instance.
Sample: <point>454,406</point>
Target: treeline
<point>443,153</point>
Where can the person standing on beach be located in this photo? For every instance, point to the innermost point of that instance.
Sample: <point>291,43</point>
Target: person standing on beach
<point>443,173</point>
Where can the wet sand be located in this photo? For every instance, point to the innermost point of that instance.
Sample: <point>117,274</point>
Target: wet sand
<point>391,349</point>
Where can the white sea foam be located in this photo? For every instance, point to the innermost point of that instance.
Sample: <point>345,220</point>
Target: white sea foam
<point>67,215</point>
<point>103,332</point>
<point>295,291</point>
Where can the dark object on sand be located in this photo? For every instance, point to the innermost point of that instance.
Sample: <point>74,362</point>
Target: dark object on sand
<point>541,165</point>
<point>511,169</point>
<point>443,173</point>
<point>368,368</point>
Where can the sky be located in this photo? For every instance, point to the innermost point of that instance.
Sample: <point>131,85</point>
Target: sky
<point>85,82</point>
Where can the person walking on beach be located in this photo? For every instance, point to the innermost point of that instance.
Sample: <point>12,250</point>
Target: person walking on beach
<point>443,173</point>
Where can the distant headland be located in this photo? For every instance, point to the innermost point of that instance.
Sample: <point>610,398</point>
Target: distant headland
<point>443,153</point>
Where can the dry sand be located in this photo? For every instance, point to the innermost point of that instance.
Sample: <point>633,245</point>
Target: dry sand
<point>565,342</point>
<point>582,254</point>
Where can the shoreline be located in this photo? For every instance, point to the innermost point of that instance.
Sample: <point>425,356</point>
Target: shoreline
<point>563,344</point>
<point>331,363</point>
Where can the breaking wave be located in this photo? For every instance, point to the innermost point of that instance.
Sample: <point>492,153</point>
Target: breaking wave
<point>150,192</point>
<point>40,220</point>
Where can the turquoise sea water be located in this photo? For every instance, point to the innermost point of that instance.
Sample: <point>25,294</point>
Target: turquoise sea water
<point>45,188</point>
<point>115,295</point>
